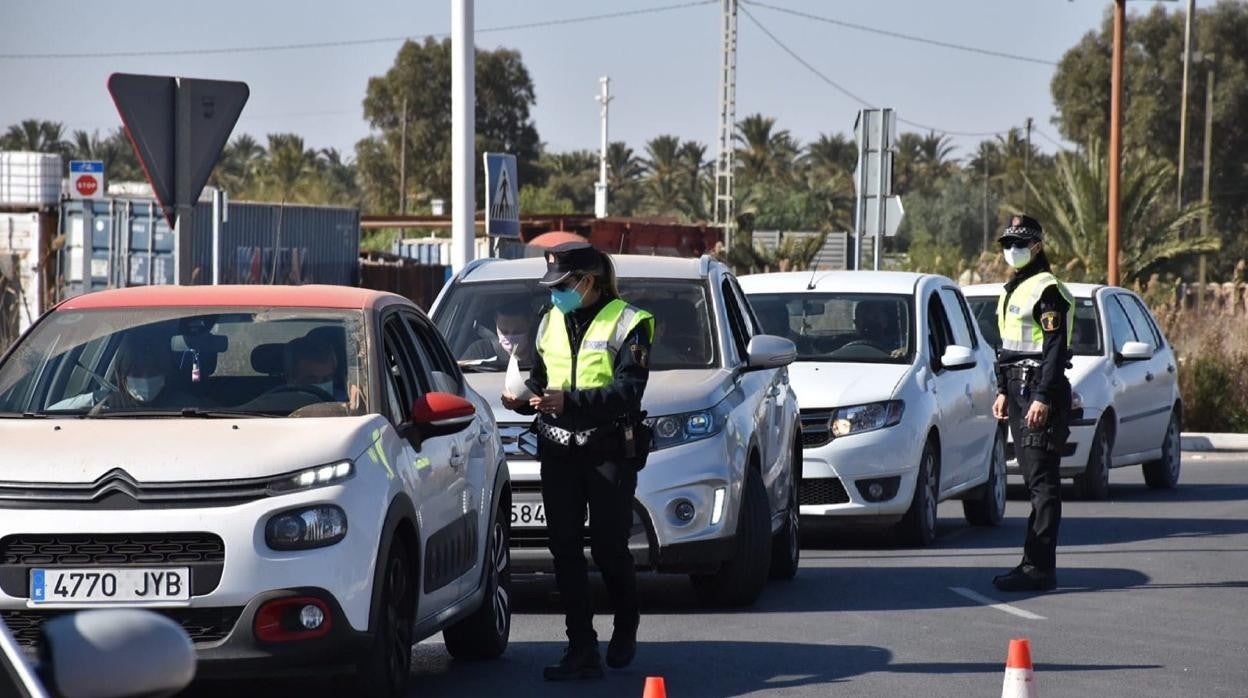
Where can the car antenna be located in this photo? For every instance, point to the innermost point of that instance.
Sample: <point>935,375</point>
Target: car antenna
<point>814,267</point>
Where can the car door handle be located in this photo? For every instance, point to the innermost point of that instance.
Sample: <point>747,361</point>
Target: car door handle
<point>484,436</point>
<point>1170,368</point>
<point>457,458</point>
<point>1148,376</point>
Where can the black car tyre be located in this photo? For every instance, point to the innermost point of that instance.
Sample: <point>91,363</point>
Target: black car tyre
<point>741,578</point>
<point>485,633</point>
<point>384,672</point>
<point>1093,484</point>
<point>918,526</point>
<point>1163,474</point>
<point>988,508</point>
<point>786,545</point>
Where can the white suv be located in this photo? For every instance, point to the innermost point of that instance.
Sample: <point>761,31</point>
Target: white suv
<point>297,475</point>
<point>1125,379</point>
<point>896,389</point>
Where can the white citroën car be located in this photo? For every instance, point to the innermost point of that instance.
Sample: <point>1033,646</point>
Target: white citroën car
<point>896,389</point>
<point>718,497</point>
<point>298,476</point>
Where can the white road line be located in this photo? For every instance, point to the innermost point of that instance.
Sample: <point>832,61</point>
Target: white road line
<point>993,603</point>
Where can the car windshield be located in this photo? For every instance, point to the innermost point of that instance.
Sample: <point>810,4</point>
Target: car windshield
<point>479,318</point>
<point>189,362</point>
<point>849,327</point>
<point>1085,341</point>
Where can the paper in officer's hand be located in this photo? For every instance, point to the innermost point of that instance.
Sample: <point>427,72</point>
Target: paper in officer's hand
<point>514,382</point>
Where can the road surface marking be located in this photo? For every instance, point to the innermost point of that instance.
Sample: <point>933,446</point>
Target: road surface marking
<point>993,603</point>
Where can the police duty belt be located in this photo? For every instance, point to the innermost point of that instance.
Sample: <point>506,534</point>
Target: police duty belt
<point>561,436</point>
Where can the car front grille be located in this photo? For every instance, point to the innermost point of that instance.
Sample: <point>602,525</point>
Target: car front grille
<point>203,553</point>
<point>822,490</point>
<point>117,489</point>
<point>203,625</point>
<point>815,431</point>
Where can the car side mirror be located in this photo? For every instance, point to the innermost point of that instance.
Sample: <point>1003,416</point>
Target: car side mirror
<point>116,652</point>
<point>439,414</point>
<point>769,351</point>
<point>957,357</point>
<point>1136,351</point>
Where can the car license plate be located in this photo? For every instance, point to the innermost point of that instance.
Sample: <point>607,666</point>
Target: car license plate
<point>98,585</point>
<point>531,513</point>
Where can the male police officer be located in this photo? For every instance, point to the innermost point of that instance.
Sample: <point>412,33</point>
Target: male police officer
<point>589,375</point>
<point>1034,316</point>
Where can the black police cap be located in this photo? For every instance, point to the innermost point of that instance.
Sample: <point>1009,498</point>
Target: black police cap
<point>1023,228</point>
<point>570,258</point>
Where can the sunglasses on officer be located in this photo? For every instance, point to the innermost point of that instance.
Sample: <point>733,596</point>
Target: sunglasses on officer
<point>1016,243</point>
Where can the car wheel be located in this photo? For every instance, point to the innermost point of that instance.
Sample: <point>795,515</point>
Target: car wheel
<point>741,578</point>
<point>786,546</point>
<point>1093,484</point>
<point>485,633</point>
<point>385,670</point>
<point>918,526</point>
<point>988,509</point>
<point>1163,474</point>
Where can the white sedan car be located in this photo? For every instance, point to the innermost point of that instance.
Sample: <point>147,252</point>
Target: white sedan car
<point>895,387</point>
<point>1125,380</point>
<point>298,476</point>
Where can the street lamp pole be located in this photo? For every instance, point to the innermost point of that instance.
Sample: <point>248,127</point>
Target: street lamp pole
<point>1187,66</point>
<point>463,135</point>
<point>1115,138</point>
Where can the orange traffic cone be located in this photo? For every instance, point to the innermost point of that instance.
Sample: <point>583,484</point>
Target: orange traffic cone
<point>1020,682</point>
<point>654,688</point>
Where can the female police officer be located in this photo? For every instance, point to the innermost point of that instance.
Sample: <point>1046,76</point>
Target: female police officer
<point>588,376</point>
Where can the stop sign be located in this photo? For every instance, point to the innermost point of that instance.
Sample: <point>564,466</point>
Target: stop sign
<point>87,185</point>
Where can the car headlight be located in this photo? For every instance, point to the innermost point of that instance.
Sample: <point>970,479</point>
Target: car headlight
<point>869,417</point>
<point>676,429</point>
<point>319,476</point>
<point>309,527</point>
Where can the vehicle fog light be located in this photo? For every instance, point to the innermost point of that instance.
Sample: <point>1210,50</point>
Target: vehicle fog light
<point>875,490</point>
<point>311,617</point>
<point>717,509</point>
<point>684,511</point>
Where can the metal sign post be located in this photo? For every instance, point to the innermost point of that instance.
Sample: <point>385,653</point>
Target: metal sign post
<point>877,211</point>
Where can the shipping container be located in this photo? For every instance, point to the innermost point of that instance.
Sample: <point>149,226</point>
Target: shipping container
<point>117,242</point>
<point>30,179</point>
<point>436,251</point>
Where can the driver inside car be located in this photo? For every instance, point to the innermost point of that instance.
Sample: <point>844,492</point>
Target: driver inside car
<point>311,364</point>
<point>142,380</point>
<point>876,324</point>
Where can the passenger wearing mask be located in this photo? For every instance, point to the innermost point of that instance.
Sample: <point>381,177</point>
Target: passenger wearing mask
<point>511,335</point>
<point>141,377</point>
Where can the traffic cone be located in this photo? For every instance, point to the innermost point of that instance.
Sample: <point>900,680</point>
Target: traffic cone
<point>1020,682</point>
<point>654,688</point>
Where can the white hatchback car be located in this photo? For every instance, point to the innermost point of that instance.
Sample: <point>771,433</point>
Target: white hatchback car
<point>1125,380</point>
<point>896,387</point>
<point>299,476</point>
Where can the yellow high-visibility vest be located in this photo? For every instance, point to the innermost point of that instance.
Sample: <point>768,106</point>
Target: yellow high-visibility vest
<point>595,362</point>
<point>1019,330</point>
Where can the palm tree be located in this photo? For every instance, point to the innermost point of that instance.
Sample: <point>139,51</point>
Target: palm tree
<point>934,161</point>
<point>570,176</point>
<point>765,155</point>
<point>1072,201</point>
<point>907,160</point>
<point>37,136</point>
<point>339,175</point>
<point>828,167</point>
<point>663,175</point>
<point>624,172</point>
<point>289,170</point>
<point>698,184</point>
<point>239,165</point>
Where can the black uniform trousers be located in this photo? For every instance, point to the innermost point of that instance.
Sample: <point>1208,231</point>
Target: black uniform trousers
<point>570,482</point>
<point>1041,473</point>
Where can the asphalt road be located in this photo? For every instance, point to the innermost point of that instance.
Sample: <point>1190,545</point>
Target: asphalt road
<point>1153,601</point>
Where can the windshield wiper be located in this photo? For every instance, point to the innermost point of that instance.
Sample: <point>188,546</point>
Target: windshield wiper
<point>24,415</point>
<point>187,412</point>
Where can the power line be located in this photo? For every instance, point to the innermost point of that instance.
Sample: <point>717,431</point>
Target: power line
<point>345,42</point>
<point>845,91</point>
<point>1048,138</point>
<point>906,37</point>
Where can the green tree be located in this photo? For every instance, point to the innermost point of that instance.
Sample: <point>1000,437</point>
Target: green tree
<point>664,171</point>
<point>624,173</point>
<point>114,150</point>
<point>421,77</point>
<point>37,136</point>
<point>569,177</point>
<point>240,161</point>
<point>765,155</point>
<point>1072,202</point>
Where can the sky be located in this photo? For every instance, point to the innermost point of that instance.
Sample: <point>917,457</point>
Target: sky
<point>663,65</point>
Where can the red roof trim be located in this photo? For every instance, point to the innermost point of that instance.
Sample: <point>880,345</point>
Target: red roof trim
<point>345,297</point>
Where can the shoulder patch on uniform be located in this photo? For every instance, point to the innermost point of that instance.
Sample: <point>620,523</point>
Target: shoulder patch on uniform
<point>1050,321</point>
<point>640,354</point>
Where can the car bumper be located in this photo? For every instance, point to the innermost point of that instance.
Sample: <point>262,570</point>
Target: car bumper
<point>835,474</point>
<point>1074,455</point>
<point>691,472</point>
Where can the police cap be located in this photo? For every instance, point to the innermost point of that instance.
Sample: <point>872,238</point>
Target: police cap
<point>1022,227</point>
<point>570,258</point>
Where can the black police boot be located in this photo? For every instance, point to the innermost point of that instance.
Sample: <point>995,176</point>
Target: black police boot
<point>1024,578</point>
<point>623,645</point>
<point>579,662</point>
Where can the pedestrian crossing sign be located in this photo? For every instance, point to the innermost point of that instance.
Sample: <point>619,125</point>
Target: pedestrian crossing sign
<point>502,196</point>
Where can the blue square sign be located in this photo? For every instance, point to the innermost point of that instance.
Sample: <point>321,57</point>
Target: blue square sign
<point>502,196</point>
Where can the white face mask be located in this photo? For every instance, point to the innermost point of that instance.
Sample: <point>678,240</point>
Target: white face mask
<point>144,389</point>
<point>1018,257</point>
<point>510,342</point>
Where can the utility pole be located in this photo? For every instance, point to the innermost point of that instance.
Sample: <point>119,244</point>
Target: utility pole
<point>725,207</point>
<point>1187,65</point>
<point>1204,186</point>
<point>463,135</point>
<point>600,191</point>
<point>403,163</point>
<point>987,224</point>
<point>1115,139</point>
<point>1026,165</point>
